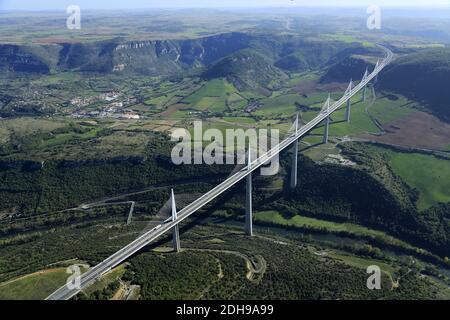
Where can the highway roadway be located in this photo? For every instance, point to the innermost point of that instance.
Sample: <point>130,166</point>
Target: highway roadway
<point>65,293</point>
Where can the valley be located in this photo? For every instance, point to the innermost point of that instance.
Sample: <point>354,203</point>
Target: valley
<point>85,126</point>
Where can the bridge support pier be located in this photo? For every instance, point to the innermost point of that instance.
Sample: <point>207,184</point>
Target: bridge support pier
<point>327,130</point>
<point>327,122</point>
<point>349,103</point>
<point>294,169</point>
<point>249,200</point>
<point>176,229</point>
<point>349,110</point>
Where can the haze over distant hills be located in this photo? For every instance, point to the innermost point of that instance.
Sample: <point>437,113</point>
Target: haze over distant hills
<point>47,4</point>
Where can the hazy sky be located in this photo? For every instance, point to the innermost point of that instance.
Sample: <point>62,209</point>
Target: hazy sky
<point>135,4</point>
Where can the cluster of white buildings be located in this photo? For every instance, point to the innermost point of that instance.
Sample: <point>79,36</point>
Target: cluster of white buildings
<point>114,109</point>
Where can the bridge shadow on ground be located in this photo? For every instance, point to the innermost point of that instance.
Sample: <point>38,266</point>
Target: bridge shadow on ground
<point>311,146</point>
<point>199,219</point>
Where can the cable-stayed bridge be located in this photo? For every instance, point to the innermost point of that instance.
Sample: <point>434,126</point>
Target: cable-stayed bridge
<point>172,224</point>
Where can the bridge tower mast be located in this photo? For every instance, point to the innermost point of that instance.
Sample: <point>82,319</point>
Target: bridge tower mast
<point>176,229</point>
<point>249,200</point>
<point>376,67</point>
<point>327,121</point>
<point>294,172</point>
<point>365,87</point>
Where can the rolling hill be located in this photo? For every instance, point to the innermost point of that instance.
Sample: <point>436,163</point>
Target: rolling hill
<point>246,69</point>
<point>166,57</point>
<point>352,67</point>
<point>431,88</point>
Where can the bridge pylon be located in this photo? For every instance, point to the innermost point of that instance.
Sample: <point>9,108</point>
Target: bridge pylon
<point>294,169</point>
<point>376,67</point>
<point>249,199</point>
<point>349,103</point>
<point>364,93</point>
<point>176,229</point>
<point>327,121</point>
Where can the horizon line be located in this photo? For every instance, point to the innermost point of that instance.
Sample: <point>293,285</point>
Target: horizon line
<point>390,6</point>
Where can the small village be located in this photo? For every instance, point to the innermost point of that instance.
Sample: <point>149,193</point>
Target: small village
<point>112,105</point>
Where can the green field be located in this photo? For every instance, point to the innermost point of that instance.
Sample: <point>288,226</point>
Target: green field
<point>386,110</point>
<point>360,121</point>
<point>240,120</point>
<point>320,151</point>
<point>300,221</point>
<point>311,223</point>
<point>159,101</point>
<point>364,263</point>
<point>36,286</point>
<point>57,78</point>
<point>21,127</point>
<point>347,39</point>
<point>383,109</point>
<point>296,79</point>
<point>40,285</point>
<point>283,105</point>
<point>211,96</point>
<point>428,174</point>
<point>66,137</point>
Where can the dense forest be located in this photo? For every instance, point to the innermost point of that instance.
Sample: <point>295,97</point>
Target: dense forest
<point>26,187</point>
<point>284,271</point>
